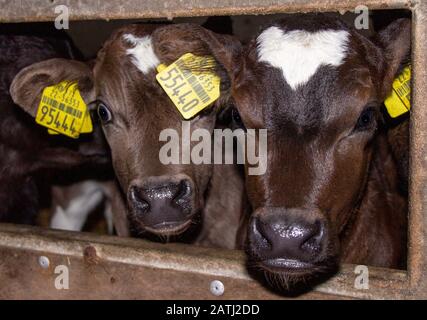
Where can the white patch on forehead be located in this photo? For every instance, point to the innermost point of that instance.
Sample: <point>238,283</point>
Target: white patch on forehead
<point>143,56</point>
<point>300,53</point>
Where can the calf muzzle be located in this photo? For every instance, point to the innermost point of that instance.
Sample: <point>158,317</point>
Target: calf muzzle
<point>162,205</point>
<point>287,240</point>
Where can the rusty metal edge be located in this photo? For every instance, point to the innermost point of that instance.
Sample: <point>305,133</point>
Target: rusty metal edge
<point>417,260</point>
<point>43,10</point>
<point>384,283</point>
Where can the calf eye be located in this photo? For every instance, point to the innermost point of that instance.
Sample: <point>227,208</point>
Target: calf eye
<point>104,113</point>
<point>366,119</point>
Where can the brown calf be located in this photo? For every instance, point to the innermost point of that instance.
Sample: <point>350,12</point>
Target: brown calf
<point>330,192</point>
<point>164,200</point>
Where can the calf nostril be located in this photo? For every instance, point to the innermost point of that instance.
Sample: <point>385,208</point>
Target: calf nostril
<point>259,235</point>
<point>313,240</point>
<point>184,192</point>
<point>137,201</point>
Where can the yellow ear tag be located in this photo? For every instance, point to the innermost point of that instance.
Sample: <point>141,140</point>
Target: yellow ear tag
<point>63,111</point>
<point>87,123</point>
<point>399,101</point>
<point>190,82</point>
<point>86,128</point>
<point>161,67</point>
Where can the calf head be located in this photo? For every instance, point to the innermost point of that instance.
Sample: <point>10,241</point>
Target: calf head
<point>317,87</point>
<point>26,149</point>
<point>162,199</point>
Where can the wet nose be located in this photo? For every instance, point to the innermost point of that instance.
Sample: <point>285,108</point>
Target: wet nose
<point>280,236</point>
<point>161,205</point>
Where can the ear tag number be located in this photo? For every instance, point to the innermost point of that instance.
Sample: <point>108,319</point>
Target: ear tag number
<point>63,111</point>
<point>399,101</point>
<point>190,82</point>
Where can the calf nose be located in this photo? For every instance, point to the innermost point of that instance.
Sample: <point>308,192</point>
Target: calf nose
<point>288,238</point>
<point>161,205</point>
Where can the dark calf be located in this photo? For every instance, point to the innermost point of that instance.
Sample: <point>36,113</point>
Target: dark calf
<point>331,183</point>
<point>398,138</point>
<point>164,200</point>
<point>330,192</point>
<point>27,153</point>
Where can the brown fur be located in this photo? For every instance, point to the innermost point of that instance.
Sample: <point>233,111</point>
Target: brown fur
<point>320,161</point>
<point>141,110</point>
<point>323,167</point>
<point>398,138</point>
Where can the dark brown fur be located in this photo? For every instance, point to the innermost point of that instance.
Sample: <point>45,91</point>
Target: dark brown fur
<point>27,152</point>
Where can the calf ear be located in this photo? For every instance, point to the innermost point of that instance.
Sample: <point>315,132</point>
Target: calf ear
<point>27,86</point>
<point>395,40</point>
<point>172,41</point>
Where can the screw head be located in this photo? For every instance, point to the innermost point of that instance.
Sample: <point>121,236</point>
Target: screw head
<point>217,288</point>
<point>44,262</point>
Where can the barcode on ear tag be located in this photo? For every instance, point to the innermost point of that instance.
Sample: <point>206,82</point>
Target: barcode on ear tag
<point>399,101</point>
<point>63,111</point>
<point>191,83</point>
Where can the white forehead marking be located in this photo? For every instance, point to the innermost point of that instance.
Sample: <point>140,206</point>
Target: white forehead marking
<point>300,53</point>
<point>143,56</point>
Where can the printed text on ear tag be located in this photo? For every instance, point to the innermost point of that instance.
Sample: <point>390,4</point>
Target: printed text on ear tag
<point>86,128</point>
<point>62,110</point>
<point>191,83</point>
<point>399,101</point>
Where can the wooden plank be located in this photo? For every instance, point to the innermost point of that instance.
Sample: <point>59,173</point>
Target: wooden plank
<point>106,267</point>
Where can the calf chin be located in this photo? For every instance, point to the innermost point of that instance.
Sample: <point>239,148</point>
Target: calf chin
<point>293,284</point>
<point>184,233</point>
<point>291,277</point>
